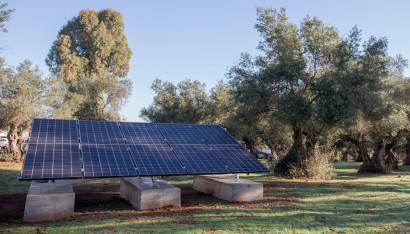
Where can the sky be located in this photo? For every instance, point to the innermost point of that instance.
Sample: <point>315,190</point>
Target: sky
<point>198,40</point>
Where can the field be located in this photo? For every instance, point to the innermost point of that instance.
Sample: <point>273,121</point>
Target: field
<point>349,203</point>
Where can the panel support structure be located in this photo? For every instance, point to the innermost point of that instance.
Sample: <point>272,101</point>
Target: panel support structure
<point>45,203</point>
<point>143,195</point>
<point>229,188</point>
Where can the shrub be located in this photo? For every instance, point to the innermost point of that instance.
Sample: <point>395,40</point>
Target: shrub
<point>316,167</point>
<point>6,156</point>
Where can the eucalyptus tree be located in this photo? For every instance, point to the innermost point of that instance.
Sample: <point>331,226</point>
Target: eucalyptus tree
<point>308,78</point>
<point>91,50</point>
<point>92,42</point>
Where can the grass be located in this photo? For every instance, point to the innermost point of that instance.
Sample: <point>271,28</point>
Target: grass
<point>349,203</point>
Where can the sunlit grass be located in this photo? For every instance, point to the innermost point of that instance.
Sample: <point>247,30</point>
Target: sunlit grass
<point>349,203</point>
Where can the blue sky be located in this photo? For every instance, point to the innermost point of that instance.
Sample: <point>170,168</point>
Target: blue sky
<point>174,39</point>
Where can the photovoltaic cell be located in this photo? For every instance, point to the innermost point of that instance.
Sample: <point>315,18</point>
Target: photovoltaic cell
<point>54,131</point>
<point>100,132</point>
<point>107,161</point>
<point>52,161</point>
<point>156,160</point>
<point>238,159</point>
<point>179,134</point>
<point>214,134</point>
<point>199,159</point>
<point>142,134</point>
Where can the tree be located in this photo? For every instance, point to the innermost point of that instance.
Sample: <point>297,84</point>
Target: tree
<point>4,16</point>
<point>92,42</point>
<point>402,95</point>
<point>22,97</point>
<point>101,96</point>
<point>91,55</point>
<point>308,78</point>
<point>182,103</point>
<point>220,105</point>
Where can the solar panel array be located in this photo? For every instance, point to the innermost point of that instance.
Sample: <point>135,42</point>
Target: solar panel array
<point>87,149</point>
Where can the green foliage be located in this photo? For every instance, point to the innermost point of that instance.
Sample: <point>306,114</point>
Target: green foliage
<point>309,79</point>
<point>4,16</point>
<point>101,96</point>
<point>92,42</point>
<point>182,103</point>
<point>22,97</point>
<point>91,59</point>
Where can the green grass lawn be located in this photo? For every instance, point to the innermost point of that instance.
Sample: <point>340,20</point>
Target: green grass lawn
<point>349,203</point>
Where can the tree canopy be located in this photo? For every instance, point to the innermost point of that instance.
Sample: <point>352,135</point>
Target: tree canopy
<point>4,16</point>
<point>91,43</point>
<point>91,56</point>
<point>22,97</point>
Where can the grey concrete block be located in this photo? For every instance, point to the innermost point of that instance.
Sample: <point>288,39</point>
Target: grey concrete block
<point>227,188</point>
<point>43,204</point>
<point>143,196</point>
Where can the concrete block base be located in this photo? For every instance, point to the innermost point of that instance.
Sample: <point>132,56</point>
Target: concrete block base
<point>227,188</point>
<point>44,204</point>
<point>143,196</point>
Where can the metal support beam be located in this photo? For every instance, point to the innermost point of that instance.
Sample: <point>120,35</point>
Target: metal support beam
<point>50,185</point>
<point>237,178</point>
<point>154,181</point>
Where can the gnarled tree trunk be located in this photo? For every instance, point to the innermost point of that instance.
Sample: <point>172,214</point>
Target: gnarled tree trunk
<point>14,137</point>
<point>382,161</point>
<point>296,154</point>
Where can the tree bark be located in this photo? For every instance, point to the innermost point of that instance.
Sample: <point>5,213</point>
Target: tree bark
<point>407,159</point>
<point>359,156</point>
<point>382,161</point>
<point>14,139</point>
<point>250,145</point>
<point>362,152</point>
<point>345,156</point>
<point>296,154</point>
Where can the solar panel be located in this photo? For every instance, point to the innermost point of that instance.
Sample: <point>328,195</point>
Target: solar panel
<point>54,131</point>
<point>214,134</point>
<point>199,159</point>
<point>107,161</point>
<point>238,159</point>
<point>111,149</point>
<point>156,160</point>
<point>100,132</point>
<point>179,134</point>
<point>52,161</point>
<point>142,134</point>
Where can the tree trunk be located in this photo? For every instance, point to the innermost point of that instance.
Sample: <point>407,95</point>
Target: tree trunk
<point>407,159</point>
<point>362,152</point>
<point>250,145</point>
<point>382,161</point>
<point>391,158</point>
<point>345,157</point>
<point>296,154</point>
<point>359,156</point>
<point>14,139</point>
